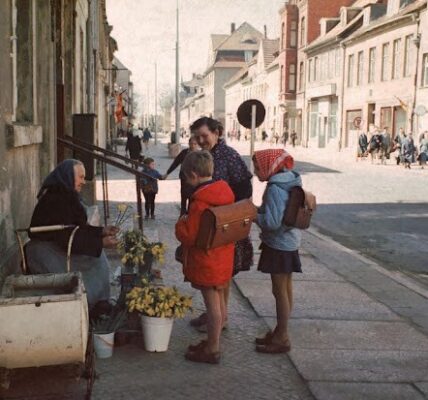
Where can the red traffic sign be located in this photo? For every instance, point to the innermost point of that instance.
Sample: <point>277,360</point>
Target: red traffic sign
<point>244,113</point>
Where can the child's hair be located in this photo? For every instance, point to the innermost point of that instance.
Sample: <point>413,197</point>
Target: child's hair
<point>199,162</point>
<point>148,161</point>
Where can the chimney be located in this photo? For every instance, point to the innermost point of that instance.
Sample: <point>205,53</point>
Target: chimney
<point>232,27</point>
<point>265,29</point>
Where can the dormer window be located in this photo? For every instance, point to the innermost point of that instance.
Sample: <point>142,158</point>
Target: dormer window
<point>247,38</point>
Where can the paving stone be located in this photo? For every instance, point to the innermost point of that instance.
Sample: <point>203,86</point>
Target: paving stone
<point>325,300</point>
<point>423,387</point>
<point>366,391</point>
<point>356,335</point>
<point>361,366</point>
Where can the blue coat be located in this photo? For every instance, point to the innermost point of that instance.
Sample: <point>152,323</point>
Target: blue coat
<point>269,217</point>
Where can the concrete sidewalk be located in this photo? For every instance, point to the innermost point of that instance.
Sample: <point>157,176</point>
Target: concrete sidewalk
<point>357,332</point>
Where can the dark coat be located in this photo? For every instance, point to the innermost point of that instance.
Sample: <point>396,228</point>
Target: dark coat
<point>61,206</point>
<point>133,145</point>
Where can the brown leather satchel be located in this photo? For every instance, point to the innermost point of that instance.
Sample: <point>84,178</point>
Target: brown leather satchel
<point>222,225</point>
<point>300,207</point>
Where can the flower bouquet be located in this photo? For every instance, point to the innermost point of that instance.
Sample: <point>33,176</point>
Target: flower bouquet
<point>158,301</point>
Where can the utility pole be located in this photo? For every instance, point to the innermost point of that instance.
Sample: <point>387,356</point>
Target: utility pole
<point>156,103</point>
<point>177,85</point>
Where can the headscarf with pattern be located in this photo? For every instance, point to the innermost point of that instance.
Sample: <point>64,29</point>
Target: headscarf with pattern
<point>271,161</point>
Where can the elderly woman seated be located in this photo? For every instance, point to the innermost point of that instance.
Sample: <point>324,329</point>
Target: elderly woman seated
<point>59,203</point>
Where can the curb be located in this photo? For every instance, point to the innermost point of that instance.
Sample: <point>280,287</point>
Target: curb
<point>396,276</point>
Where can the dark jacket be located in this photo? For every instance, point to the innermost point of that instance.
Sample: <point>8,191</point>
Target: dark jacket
<point>150,181</point>
<point>230,167</point>
<point>61,206</point>
<point>133,145</point>
<point>178,161</point>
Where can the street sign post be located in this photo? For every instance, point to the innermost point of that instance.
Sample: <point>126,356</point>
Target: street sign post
<point>251,114</point>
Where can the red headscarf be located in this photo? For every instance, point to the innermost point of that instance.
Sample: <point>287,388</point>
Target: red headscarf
<point>271,161</point>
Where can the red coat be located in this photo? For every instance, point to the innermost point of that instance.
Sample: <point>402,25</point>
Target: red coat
<point>205,267</point>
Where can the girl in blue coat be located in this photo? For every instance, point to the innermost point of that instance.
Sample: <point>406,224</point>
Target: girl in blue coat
<point>279,256</point>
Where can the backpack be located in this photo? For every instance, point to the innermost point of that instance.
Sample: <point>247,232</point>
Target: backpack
<point>300,207</point>
<point>226,224</point>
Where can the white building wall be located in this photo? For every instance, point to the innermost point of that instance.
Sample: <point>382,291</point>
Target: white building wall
<point>383,94</point>
<point>421,122</point>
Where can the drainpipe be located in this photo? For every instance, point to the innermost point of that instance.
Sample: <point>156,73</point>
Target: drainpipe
<point>417,43</point>
<point>342,93</point>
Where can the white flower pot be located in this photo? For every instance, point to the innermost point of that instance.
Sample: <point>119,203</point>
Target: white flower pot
<point>156,332</point>
<point>104,344</point>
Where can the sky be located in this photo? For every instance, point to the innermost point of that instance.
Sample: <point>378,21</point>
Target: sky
<point>145,31</point>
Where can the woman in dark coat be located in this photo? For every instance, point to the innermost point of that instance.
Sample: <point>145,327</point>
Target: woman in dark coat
<point>59,203</point>
<point>186,189</point>
<point>408,150</point>
<point>228,166</point>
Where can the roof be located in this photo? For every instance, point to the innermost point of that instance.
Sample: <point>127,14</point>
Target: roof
<point>273,64</point>
<point>270,47</point>
<point>217,40</point>
<point>388,19</point>
<point>246,37</point>
<point>196,81</point>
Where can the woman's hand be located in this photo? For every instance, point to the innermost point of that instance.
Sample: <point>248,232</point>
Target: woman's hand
<point>110,230</point>
<point>110,242</point>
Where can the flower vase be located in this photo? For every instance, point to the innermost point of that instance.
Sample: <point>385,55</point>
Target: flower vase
<point>156,333</point>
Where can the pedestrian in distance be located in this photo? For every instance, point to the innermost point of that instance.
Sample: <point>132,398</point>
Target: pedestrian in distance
<point>409,150</point>
<point>285,137</point>
<point>146,137</point>
<point>386,145</point>
<point>264,135</point>
<point>207,270</point>
<point>423,150</point>
<point>133,145</point>
<point>185,189</point>
<point>149,185</point>
<point>280,244</point>
<point>293,138</point>
<point>362,146</point>
<point>398,144</point>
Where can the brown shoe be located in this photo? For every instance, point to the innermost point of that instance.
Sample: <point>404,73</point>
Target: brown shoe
<point>266,339</point>
<point>201,320</point>
<point>201,356</point>
<point>195,347</point>
<point>274,348</point>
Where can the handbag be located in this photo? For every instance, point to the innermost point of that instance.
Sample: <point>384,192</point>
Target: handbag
<point>300,208</point>
<point>226,224</point>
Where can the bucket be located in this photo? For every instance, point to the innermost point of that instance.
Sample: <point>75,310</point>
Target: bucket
<point>156,332</point>
<point>103,344</point>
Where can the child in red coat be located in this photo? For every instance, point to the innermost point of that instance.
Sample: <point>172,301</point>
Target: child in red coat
<point>207,270</point>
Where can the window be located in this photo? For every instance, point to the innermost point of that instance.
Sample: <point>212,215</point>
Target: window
<point>360,68</point>
<point>301,75</point>
<point>316,69</point>
<point>350,70</point>
<point>293,34</point>
<point>396,57</point>
<point>282,36</point>
<point>281,79</point>
<point>407,55</point>
<point>386,117</point>
<point>332,120</point>
<point>385,62</point>
<point>302,31</point>
<point>425,70</point>
<point>337,63</point>
<point>248,55</point>
<point>310,68</point>
<point>372,64</point>
<point>313,119</point>
<point>292,78</point>
<point>23,62</point>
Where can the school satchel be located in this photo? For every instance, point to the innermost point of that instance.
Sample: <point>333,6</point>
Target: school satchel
<point>300,207</point>
<point>222,225</point>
